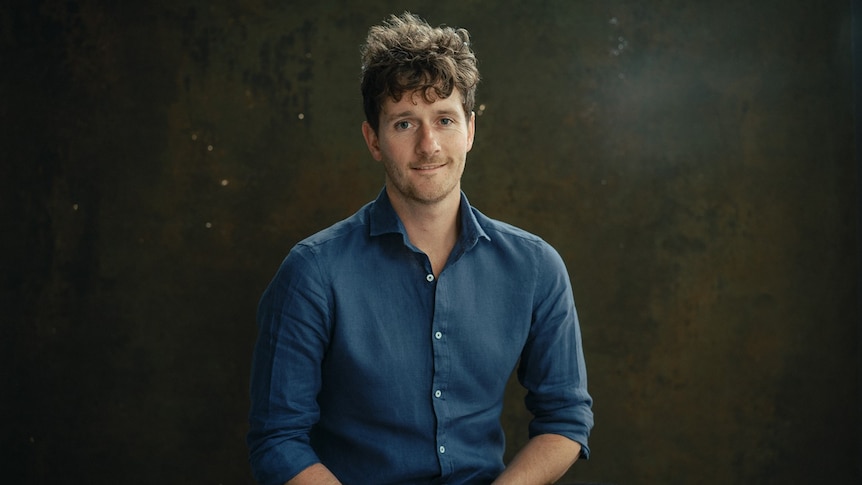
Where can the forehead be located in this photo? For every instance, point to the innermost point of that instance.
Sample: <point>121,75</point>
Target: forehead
<point>413,102</point>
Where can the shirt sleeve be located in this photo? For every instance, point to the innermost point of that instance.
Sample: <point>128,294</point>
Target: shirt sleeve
<point>293,320</point>
<point>552,367</point>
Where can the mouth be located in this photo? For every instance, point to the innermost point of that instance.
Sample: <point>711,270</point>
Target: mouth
<point>428,167</point>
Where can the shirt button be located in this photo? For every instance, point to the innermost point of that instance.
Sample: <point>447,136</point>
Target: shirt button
<point>430,277</point>
<point>442,449</point>
<point>438,393</point>
<point>438,335</point>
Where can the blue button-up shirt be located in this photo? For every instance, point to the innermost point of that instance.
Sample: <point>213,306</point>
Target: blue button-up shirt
<point>368,363</point>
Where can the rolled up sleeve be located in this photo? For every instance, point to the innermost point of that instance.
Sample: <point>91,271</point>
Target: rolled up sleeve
<point>552,367</point>
<point>285,380</point>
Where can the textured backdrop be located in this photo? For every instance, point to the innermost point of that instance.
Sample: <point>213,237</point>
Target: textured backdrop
<point>691,161</point>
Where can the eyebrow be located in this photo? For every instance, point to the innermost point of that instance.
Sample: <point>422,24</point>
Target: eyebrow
<point>409,113</point>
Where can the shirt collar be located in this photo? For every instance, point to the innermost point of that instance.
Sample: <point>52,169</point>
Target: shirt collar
<point>384,220</point>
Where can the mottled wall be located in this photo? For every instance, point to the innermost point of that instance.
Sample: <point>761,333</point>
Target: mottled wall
<point>692,162</point>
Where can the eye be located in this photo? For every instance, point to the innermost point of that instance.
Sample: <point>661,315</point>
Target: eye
<point>447,121</point>
<point>402,125</point>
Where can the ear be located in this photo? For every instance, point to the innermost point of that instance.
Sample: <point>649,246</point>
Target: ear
<point>372,141</point>
<point>471,130</point>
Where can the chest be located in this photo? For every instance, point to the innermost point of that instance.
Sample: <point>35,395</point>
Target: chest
<point>398,324</point>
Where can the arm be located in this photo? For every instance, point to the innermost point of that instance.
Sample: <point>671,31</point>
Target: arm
<point>544,459</point>
<point>285,379</point>
<point>553,371</point>
<point>316,474</point>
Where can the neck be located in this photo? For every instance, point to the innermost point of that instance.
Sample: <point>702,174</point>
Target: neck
<point>433,228</point>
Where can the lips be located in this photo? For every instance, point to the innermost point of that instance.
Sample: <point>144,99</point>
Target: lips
<point>427,167</point>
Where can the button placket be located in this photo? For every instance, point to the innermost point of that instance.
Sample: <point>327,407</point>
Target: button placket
<point>441,363</point>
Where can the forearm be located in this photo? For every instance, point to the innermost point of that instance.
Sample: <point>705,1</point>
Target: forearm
<point>316,474</point>
<point>544,459</point>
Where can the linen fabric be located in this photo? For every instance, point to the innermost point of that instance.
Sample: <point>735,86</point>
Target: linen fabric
<point>369,364</point>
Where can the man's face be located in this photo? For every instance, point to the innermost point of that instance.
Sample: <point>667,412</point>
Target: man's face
<point>423,146</point>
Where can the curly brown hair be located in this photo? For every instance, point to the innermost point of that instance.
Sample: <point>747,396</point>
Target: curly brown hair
<point>405,54</point>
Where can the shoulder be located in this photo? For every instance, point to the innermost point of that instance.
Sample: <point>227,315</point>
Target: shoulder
<point>524,252</point>
<point>326,247</point>
<point>505,230</point>
<point>341,232</point>
<point>527,256</point>
<point>508,236</point>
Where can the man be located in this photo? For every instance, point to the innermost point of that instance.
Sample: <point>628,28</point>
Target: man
<point>386,340</point>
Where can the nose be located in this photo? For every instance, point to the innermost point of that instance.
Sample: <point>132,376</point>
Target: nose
<point>427,144</point>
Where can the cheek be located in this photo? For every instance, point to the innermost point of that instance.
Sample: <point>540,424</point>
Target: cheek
<point>397,149</point>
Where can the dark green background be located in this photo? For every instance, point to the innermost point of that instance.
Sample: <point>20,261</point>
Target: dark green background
<point>693,162</point>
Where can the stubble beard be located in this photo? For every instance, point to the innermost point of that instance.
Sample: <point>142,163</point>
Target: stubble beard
<point>436,191</point>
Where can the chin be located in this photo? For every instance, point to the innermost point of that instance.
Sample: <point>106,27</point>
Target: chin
<point>432,198</point>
